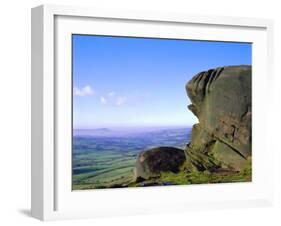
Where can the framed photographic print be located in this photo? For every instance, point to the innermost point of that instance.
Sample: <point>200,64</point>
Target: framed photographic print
<point>137,112</point>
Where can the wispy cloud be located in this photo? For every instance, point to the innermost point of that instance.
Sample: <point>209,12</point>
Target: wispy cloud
<point>111,94</point>
<point>84,91</point>
<point>113,99</point>
<point>103,100</point>
<point>120,101</point>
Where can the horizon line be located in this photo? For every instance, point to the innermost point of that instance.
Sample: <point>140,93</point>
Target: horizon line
<point>130,126</point>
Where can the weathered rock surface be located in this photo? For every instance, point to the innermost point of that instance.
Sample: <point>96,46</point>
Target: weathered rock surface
<point>221,141</point>
<point>152,162</point>
<point>221,100</point>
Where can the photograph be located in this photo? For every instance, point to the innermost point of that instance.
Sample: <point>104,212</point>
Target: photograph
<point>152,111</point>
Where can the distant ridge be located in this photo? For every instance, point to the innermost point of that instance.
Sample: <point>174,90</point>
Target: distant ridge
<point>92,132</point>
<point>121,132</point>
<point>101,130</point>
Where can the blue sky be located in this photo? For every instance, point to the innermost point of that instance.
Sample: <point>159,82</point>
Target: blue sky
<point>132,82</point>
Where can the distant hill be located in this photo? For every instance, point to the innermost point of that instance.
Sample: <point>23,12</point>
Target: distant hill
<point>92,132</point>
<point>101,130</point>
<point>125,132</point>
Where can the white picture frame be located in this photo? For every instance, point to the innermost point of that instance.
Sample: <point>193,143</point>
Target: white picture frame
<point>52,198</point>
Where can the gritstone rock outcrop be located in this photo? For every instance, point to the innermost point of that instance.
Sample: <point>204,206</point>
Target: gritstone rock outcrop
<point>222,102</point>
<point>152,162</point>
<point>221,141</point>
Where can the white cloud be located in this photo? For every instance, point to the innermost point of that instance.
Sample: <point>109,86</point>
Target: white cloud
<point>103,100</point>
<point>120,101</point>
<point>84,91</point>
<point>111,94</point>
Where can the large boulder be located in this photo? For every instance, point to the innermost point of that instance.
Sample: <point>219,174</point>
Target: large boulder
<point>152,162</point>
<point>222,101</point>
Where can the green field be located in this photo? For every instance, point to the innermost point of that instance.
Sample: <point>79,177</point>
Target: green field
<point>107,160</point>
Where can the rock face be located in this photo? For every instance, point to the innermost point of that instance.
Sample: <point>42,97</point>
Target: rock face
<point>221,141</point>
<point>221,100</point>
<point>152,162</point>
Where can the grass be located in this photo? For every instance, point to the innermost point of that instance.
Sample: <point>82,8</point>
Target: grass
<point>207,177</point>
<point>124,179</point>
